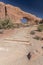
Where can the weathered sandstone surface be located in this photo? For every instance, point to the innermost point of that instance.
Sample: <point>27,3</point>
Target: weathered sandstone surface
<point>18,46</point>
<point>16,14</point>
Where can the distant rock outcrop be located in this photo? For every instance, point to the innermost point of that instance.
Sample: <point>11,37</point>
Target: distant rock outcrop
<point>16,14</point>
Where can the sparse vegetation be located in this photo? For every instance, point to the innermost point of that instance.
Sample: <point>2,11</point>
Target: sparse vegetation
<point>26,25</point>
<point>32,32</point>
<point>40,27</point>
<point>6,24</point>
<point>17,25</point>
<point>37,37</point>
<point>41,22</point>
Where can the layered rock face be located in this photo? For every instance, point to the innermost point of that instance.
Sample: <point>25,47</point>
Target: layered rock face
<point>16,14</point>
<point>2,10</point>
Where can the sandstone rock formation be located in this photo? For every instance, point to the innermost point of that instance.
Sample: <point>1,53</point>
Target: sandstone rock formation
<point>16,14</point>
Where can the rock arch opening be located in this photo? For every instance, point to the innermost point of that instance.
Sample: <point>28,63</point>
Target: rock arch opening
<point>24,20</point>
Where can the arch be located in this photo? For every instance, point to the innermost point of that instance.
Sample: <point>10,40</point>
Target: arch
<point>24,20</point>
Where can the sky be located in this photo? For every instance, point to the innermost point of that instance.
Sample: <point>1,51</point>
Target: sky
<point>32,6</point>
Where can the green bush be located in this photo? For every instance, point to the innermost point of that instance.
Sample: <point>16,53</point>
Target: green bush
<point>6,24</point>
<point>37,37</point>
<point>40,27</point>
<point>32,32</point>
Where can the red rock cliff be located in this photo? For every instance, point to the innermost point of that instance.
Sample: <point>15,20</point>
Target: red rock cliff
<point>15,14</point>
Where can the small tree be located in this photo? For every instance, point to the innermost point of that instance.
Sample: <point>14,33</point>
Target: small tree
<point>41,22</point>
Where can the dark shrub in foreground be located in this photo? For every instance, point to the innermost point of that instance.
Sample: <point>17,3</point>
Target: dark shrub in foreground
<point>40,27</point>
<point>6,24</point>
<point>37,37</point>
<point>32,32</point>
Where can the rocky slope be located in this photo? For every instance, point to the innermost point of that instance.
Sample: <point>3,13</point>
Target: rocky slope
<point>16,14</point>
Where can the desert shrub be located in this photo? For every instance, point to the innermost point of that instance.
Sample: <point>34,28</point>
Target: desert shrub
<point>40,27</point>
<point>32,32</point>
<point>1,27</point>
<point>41,21</point>
<point>37,37</point>
<point>20,25</point>
<point>26,25</point>
<point>16,25</point>
<point>6,24</point>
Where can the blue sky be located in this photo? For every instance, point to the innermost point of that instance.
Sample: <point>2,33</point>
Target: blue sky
<point>31,6</point>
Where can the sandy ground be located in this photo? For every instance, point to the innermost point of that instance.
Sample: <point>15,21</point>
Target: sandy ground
<point>15,46</point>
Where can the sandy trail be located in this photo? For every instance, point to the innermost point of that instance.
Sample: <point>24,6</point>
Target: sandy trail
<point>15,46</point>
